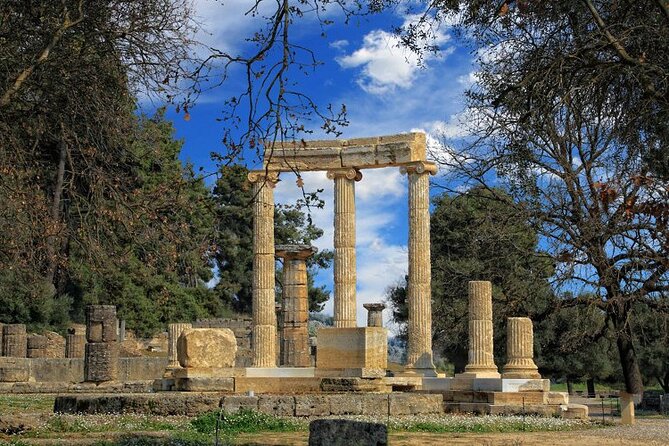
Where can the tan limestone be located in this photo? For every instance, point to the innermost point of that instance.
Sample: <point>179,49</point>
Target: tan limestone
<point>75,343</point>
<point>352,351</point>
<point>419,354</point>
<point>520,349</point>
<point>360,153</point>
<point>173,333</point>
<point>206,347</point>
<point>481,362</point>
<point>375,314</point>
<point>264,339</point>
<point>344,246</point>
<point>295,350</point>
<point>14,341</point>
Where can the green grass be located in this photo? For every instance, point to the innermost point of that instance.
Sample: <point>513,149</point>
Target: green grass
<point>18,404</point>
<point>244,421</point>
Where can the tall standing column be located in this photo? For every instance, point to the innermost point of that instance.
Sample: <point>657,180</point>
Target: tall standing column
<point>344,245</point>
<point>295,305</point>
<point>419,354</point>
<point>263,335</point>
<point>481,362</point>
<point>520,349</point>
<point>173,333</point>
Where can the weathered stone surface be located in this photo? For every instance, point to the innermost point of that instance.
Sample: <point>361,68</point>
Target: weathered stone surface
<point>354,384</point>
<point>14,369</point>
<point>375,314</point>
<point>207,347</point>
<point>347,433</point>
<point>312,405</point>
<point>557,398</point>
<point>55,345</point>
<point>481,362</point>
<point>574,411</point>
<point>14,341</point>
<point>234,403</point>
<point>346,404</point>
<point>75,344</point>
<point>626,408</point>
<point>174,331</point>
<point>163,404</point>
<point>375,404</point>
<point>415,404</point>
<point>353,348</point>
<point>101,361</point>
<point>277,385</point>
<point>101,323</point>
<point>520,349</point>
<point>280,406</point>
<point>203,384</point>
<point>37,346</point>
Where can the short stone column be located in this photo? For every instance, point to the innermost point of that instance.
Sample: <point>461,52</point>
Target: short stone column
<point>626,408</point>
<point>481,362</point>
<point>264,316</point>
<point>295,351</point>
<point>375,314</point>
<point>37,345</point>
<point>520,349</point>
<point>419,324</point>
<point>14,341</point>
<point>344,246</point>
<point>173,333</point>
<point>101,351</point>
<point>75,344</point>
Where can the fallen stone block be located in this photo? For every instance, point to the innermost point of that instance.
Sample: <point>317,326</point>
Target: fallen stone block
<point>207,347</point>
<point>347,433</point>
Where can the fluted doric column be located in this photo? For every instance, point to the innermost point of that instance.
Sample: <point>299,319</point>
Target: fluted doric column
<point>419,354</point>
<point>295,349</point>
<point>264,315</point>
<point>481,358</point>
<point>520,349</point>
<point>173,333</point>
<point>344,245</point>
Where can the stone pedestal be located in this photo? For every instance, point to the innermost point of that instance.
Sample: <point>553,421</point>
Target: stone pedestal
<point>264,340</point>
<point>344,246</point>
<point>14,341</point>
<point>173,333</point>
<point>481,362</point>
<point>295,305</point>
<point>520,349</point>
<point>419,324</point>
<point>75,344</point>
<point>626,408</point>
<point>37,345</point>
<point>375,314</point>
<point>353,352</point>
<point>101,351</point>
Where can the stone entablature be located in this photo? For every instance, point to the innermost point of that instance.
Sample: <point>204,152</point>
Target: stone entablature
<point>361,153</point>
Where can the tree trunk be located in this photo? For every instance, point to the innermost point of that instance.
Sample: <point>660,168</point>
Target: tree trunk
<point>628,359</point>
<point>664,383</point>
<point>570,387</point>
<point>52,241</point>
<point>591,387</point>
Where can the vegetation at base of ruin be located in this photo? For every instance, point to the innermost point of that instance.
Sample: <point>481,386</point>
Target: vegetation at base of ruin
<point>17,404</point>
<point>244,421</point>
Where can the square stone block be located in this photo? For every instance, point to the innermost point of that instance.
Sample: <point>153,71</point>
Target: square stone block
<point>442,384</point>
<point>346,404</point>
<point>280,406</point>
<point>364,348</point>
<point>415,403</point>
<point>205,384</point>
<point>375,404</point>
<point>312,405</point>
<point>234,403</point>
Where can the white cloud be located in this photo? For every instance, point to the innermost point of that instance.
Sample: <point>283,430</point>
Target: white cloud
<point>339,44</point>
<point>386,64</point>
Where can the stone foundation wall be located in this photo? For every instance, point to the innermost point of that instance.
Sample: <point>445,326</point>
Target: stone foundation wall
<point>71,370</point>
<point>242,329</point>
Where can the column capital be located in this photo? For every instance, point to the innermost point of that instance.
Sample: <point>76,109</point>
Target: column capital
<point>419,167</point>
<point>270,177</point>
<point>348,172</point>
<point>295,252</point>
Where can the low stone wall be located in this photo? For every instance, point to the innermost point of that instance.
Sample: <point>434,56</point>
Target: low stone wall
<point>71,370</point>
<point>173,403</point>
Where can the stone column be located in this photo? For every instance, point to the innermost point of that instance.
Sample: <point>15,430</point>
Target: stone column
<point>37,345</point>
<point>101,351</point>
<point>419,324</point>
<point>375,314</point>
<point>481,360</point>
<point>295,349</point>
<point>626,408</point>
<point>75,344</point>
<point>520,349</point>
<point>344,245</point>
<point>14,341</point>
<point>264,315</point>
<point>173,333</point>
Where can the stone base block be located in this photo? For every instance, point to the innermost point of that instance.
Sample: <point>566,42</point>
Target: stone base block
<point>278,405</point>
<point>277,385</point>
<point>363,349</point>
<point>404,383</point>
<point>436,384</point>
<point>234,403</point>
<point>479,373</point>
<point>207,372</point>
<point>574,411</point>
<point>353,373</point>
<point>463,382</point>
<point>415,404</point>
<point>557,398</point>
<point>312,405</point>
<point>279,372</point>
<point>205,384</point>
<point>343,432</point>
<point>354,385</point>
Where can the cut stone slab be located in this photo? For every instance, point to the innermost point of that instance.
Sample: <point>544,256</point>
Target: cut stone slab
<point>234,403</point>
<point>279,372</point>
<point>352,351</point>
<point>347,433</point>
<point>574,411</point>
<point>205,384</point>
<point>207,347</point>
<point>277,405</point>
<point>415,404</point>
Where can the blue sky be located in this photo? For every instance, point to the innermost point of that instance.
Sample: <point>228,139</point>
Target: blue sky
<point>385,92</point>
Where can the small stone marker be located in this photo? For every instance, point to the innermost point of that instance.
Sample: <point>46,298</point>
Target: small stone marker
<point>347,433</point>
